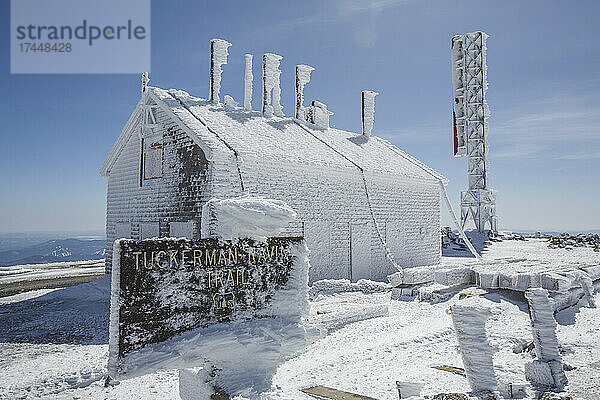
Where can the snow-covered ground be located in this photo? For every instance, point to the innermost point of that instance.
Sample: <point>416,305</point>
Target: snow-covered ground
<point>53,343</point>
<point>20,278</point>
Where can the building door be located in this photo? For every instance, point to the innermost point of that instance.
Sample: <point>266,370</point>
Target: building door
<point>360,246</point>
<point>395,239</point>
<point>318,240</point>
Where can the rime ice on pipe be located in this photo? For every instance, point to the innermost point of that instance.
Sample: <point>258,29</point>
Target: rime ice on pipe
<point>319,115</point>
<point>302,78</point>
<point>543,327</point>
<point>368,111</point>
<point>230,103</point>
<point>476,353</point>
<point>218,57</point>
<point>245,216</point>
<point>248,77</point>
<point>271,73</point>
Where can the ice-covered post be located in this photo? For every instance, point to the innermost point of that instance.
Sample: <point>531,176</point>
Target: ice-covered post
<point>587,285</point>
<point>547,370</point>
<point>248,77</point>
<point>302,78</point>
<point>271,73</point>
<point>368,111</point>
<point>476,352</point>
<point>218,57</point>
<point>145,80</point>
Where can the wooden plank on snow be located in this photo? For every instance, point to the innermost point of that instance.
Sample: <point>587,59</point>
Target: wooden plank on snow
<point>324,392</point>
<point>449,368</point>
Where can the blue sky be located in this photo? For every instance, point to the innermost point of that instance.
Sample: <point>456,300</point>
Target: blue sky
<point>544,94</point>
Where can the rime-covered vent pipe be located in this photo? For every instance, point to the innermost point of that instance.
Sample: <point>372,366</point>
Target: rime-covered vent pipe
<point>368,111</point>
<point>271,73</point>
<point>302,78</point>
<point>248,77</point>
<point>218,57</point>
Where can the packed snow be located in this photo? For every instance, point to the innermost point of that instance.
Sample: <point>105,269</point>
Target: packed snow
<point>23,278</point>
<point>55,344</point>
<point>245,216</point>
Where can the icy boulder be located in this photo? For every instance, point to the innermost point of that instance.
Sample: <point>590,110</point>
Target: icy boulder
<point>245,216</point>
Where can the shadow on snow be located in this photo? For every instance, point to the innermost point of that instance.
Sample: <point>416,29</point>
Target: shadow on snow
<point>73,315</point>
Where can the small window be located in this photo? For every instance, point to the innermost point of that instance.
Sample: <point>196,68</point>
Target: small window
<point>148,230</point>
<point>152,158</point>
<point>182,229</point>
<point>123,230</point>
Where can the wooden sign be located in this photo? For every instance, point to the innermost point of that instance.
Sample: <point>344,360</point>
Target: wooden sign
<point>166,287</point>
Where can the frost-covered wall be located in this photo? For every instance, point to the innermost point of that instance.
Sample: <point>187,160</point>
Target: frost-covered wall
<point>137,207</point>
<point>350,195</point>
<point>333,215</point>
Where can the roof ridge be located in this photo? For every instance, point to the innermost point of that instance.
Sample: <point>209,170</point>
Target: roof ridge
<point>413,160</point>
<point>192,117</point>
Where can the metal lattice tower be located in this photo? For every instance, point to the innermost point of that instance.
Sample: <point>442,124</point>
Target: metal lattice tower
<point>471,112</point>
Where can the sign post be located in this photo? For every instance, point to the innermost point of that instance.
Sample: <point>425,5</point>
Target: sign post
<point>237,304</point>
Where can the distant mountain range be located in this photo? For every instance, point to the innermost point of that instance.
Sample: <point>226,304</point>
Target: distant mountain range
<point>554,233</point>
<point>46,247</point>
<point>55,250</point>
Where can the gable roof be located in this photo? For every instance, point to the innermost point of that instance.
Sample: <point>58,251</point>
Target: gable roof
<point>248,134</point>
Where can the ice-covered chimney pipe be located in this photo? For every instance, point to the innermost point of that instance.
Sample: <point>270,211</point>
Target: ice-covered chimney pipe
<point>145,80</point>
<point>248,77</point>
<point>218,57</point>
<point>271,73</point>
<point>368,109</point>
<point>302,78</point>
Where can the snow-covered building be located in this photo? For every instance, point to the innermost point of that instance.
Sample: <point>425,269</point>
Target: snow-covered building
<point>354,194</point>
